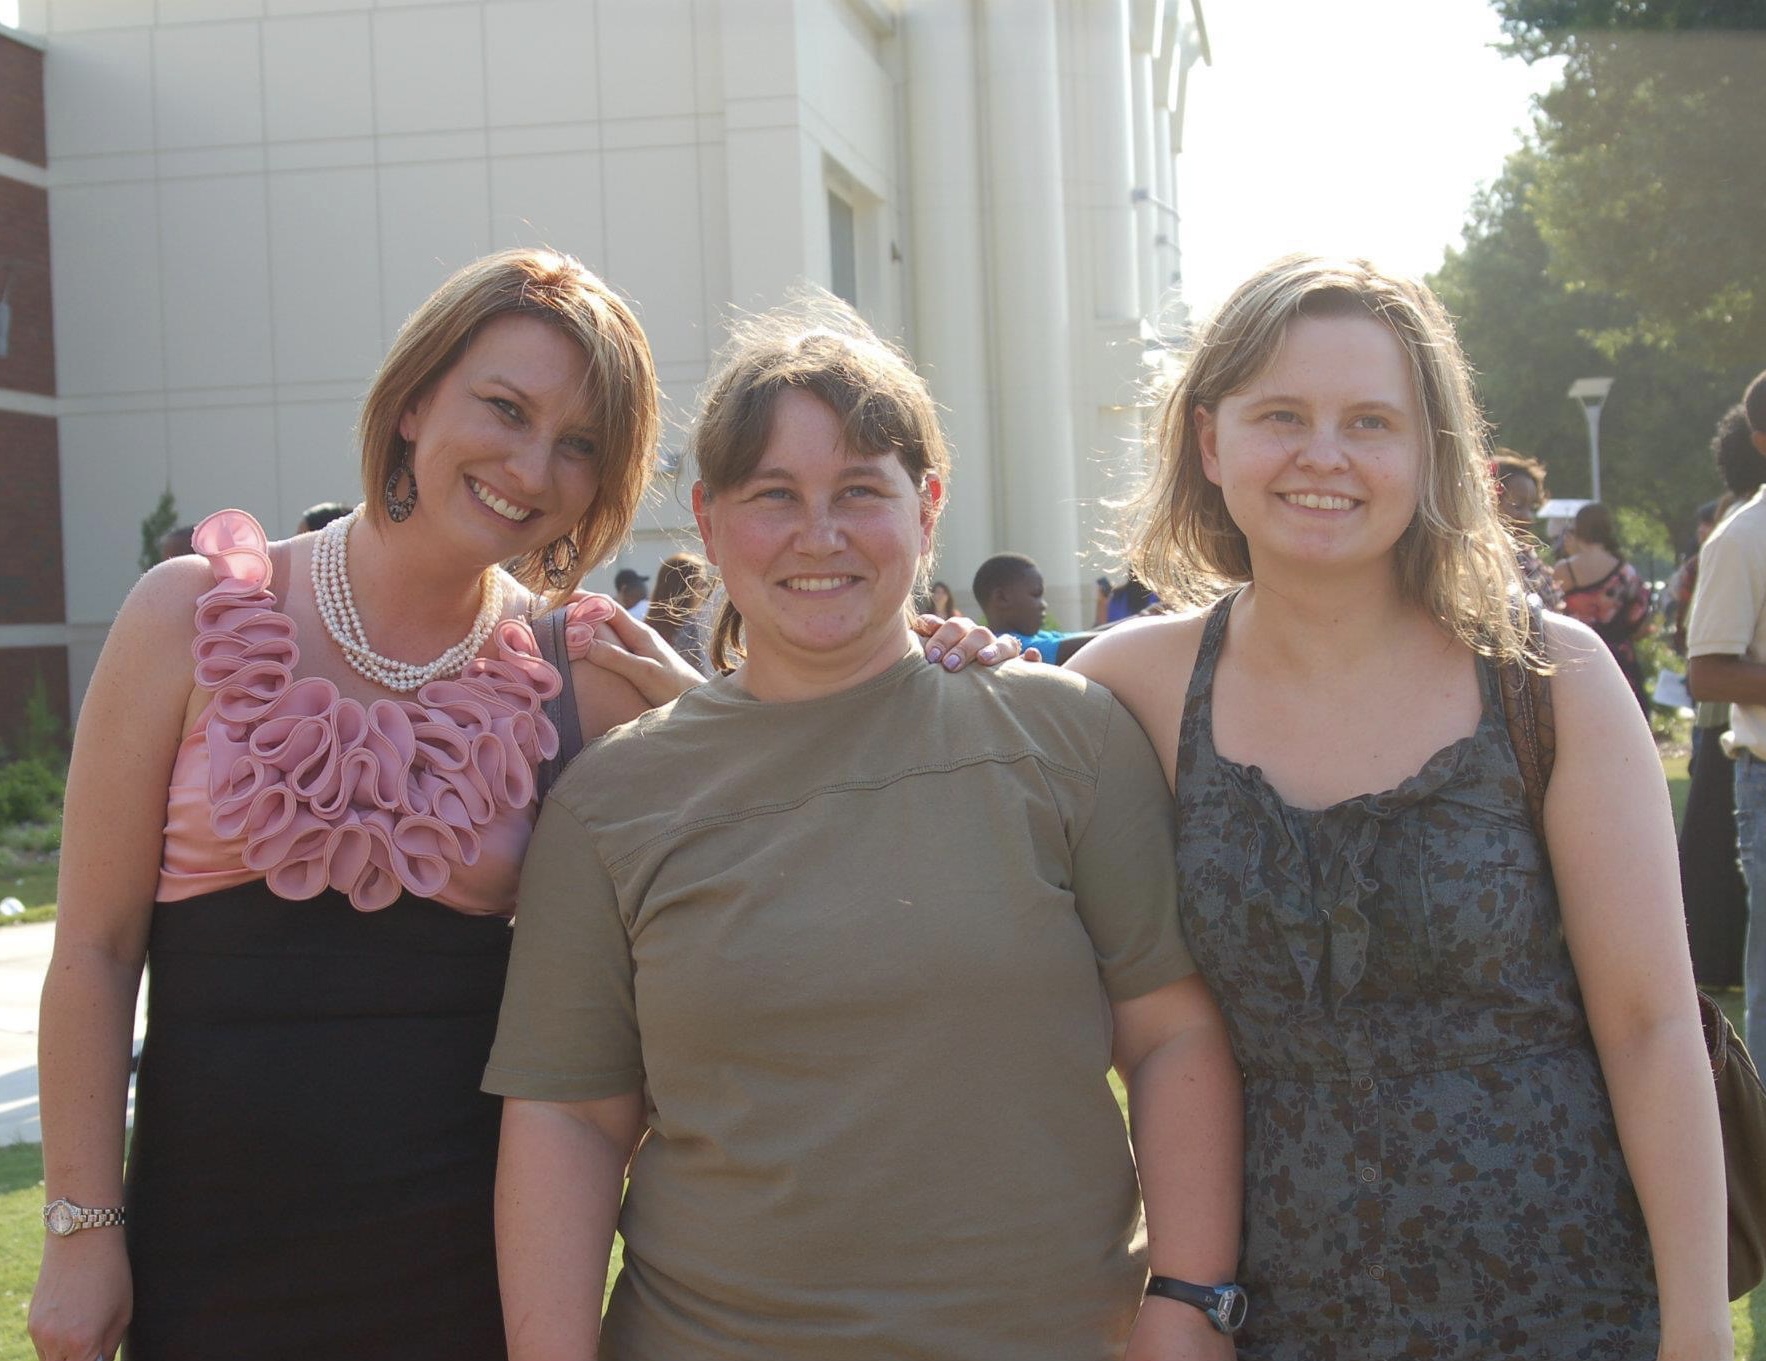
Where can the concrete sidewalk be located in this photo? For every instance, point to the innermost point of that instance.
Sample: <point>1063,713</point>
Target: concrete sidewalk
<point>24,959</point>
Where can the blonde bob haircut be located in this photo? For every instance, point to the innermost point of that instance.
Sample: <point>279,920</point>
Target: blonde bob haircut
<point>817,345</point>
<point>623,398</point>
<point>1455,559</point>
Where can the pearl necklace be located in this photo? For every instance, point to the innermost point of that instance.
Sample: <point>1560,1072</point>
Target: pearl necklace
<point>336,603</point>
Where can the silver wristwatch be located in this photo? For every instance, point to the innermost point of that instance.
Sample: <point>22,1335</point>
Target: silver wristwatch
<point>62,1217</point>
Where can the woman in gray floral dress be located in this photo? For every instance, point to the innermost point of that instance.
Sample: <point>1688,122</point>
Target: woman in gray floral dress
<point>1478,1115</point>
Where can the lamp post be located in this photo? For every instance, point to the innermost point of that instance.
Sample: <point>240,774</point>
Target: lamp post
<point>1592,394</point>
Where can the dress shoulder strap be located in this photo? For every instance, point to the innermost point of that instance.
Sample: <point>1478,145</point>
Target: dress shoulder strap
<point>549,633</point>
<point>1195,742</point>
<point>1213,635</point>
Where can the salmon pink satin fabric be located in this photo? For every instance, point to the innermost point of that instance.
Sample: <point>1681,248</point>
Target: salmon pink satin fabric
<point>285,780</point>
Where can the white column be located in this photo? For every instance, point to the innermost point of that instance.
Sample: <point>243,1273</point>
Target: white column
<point>1108,387</point>
<point>1165,188</point>
<point>1109,170</point>
<point>1146,216</point>
<point>1028,244</point>
<point>949,268</point>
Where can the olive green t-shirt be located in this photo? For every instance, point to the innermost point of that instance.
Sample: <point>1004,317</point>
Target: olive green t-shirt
<point>856,952</point>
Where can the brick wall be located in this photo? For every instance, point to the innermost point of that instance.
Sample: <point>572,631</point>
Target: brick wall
<point>20,669</point>
<point>21,102</point>
<point>31,587</point>
<point>29,362</point>
<point>30,521</point>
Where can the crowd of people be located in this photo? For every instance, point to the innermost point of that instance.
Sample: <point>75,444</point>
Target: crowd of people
<point>821,954</point>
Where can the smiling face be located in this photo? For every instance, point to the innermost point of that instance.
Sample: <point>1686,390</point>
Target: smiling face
<point>818,548</point>
<point>501,444</point>
<point>1319,457</point>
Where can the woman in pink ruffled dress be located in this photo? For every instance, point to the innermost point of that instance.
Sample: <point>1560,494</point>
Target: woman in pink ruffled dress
<point>313,831</point>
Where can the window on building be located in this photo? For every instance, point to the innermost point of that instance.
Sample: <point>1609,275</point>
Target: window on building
<point>843,248</point>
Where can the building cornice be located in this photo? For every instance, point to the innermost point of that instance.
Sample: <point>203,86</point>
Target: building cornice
<point>24,172</point>
<point>28,403</point>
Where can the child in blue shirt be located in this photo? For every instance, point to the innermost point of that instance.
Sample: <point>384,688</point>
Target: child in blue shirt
<point>1008,592</point>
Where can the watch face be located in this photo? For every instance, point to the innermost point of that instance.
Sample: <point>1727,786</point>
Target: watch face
<point>1232,1309</point>
<point>60,1218</point>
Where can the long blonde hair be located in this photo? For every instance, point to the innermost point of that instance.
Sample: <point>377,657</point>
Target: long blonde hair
<point>624,400</point>
<point>1455,559</point>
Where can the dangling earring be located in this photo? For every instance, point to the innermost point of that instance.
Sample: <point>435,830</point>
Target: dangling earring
<point>400,507</point>
<point>559,564</point>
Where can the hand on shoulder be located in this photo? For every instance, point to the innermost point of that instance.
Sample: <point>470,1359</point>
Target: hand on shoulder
<point>620,667</point>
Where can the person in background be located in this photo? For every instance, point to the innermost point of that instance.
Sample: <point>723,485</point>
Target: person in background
<point>1520,491</point>
<point>632,589</point>
<point>1710,876</point>
<point>1726,664</point>
<point>1480,1118</point>
<point>1008,592</point>
<point>677,606</point>
<point>1132,597</point>
<point>862,1093</point>
<point>1677,592</point>
<point>942,601</point>
<point>315,518</point>
<point>175,543</point>
<point>1604,591</point>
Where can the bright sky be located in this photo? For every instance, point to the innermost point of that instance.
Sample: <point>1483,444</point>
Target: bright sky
<point>1353,129</point>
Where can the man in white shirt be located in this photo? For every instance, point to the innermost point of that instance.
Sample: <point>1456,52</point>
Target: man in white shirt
<point>1726,662</point>
<point>632,589</point>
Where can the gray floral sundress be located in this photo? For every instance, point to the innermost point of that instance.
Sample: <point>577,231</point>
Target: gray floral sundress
<point>1432,1168</point>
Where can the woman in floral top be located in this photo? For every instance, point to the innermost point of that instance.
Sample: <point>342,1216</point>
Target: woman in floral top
<point>1604,591</point>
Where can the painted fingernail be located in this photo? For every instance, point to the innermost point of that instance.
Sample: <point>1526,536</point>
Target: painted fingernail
<point>990,653</point>
<point>934,652</point>
<point>952,662</point>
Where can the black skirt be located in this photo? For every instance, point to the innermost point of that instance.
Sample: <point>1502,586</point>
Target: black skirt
<point>312,1164</point>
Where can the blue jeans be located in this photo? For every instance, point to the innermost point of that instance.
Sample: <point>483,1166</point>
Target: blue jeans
<point>1750,839</point>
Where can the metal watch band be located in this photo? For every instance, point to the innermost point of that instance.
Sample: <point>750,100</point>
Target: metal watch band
<point>62,1217</point>
<point>1225,1305</point>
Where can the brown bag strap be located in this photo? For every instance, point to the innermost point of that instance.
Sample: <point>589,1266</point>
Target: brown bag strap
<point>561,708</point>
<point>1741,1100</point>
<point>1532,726</point>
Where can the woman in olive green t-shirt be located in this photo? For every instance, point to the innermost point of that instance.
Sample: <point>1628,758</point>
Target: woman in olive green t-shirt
<point>854,945</point>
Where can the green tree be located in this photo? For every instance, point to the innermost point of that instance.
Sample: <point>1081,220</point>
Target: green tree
<point>1529,337</point>
<point>163,517</point>
<point>1649,185</point>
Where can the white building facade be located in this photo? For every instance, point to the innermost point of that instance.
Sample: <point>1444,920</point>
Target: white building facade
<point>247,197</point>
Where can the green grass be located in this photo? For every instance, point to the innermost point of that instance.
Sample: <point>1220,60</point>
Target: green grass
<point>34,886</point>
<point>21,1244</point>
<point>30,854</point>
<point>1674,767</point>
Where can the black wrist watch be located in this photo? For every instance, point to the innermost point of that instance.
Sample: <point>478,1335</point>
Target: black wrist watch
<point>1225,1305</point>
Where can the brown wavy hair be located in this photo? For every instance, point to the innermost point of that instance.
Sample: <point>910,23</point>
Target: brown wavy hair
<point>624,400</point>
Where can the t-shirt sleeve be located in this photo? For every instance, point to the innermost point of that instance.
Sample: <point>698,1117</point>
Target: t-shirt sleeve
<point>569,1025</point>
<point>1125,867</point>
<point>1727,603</point>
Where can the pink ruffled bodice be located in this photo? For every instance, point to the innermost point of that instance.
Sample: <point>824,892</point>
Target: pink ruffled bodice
<point>286,780</point>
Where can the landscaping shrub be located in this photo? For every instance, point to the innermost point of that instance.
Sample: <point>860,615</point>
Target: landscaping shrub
<point>30,791</point>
